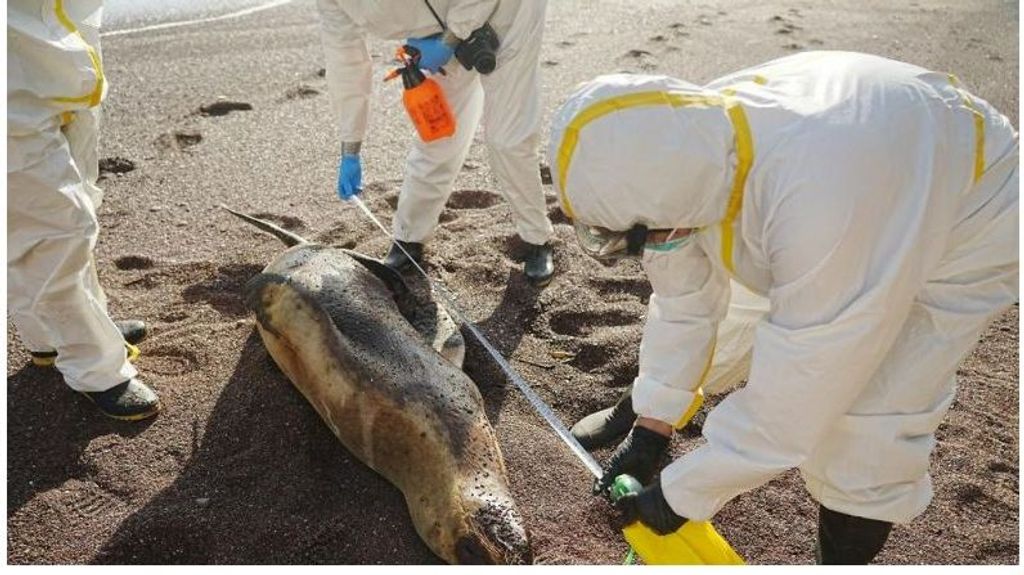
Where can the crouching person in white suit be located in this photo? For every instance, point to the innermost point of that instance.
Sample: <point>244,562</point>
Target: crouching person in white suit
<point>871,203</point>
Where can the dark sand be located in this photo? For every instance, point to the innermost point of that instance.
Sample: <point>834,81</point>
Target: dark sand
<point>239,469</point>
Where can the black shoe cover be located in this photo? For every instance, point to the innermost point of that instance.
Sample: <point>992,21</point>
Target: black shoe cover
<point>608,425</point>
<point>849,540</point>
<point>398,261</point>
<point>539,266</point>
<point>132,330</point>
<point>128,401</point>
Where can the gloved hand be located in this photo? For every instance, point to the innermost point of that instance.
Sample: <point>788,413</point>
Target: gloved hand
<point>650,508</point>
<point>350,176</point>
<point>434,51</point>
<point>638,455</point>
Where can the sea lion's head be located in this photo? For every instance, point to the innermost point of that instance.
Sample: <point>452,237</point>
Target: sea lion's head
<point>474,521</point>
<point>493,534</point>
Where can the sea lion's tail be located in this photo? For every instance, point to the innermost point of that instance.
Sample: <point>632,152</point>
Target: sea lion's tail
<point>280,233</point>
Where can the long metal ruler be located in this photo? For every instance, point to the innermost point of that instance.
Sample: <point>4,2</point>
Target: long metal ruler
<point>538,404</point>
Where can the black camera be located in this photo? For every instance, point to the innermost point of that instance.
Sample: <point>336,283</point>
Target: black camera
<point>478,52</point>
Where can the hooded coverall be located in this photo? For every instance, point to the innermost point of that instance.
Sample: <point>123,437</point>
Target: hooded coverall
<point>872,202</point>
<point>55,85</point>
<point>508,99</point>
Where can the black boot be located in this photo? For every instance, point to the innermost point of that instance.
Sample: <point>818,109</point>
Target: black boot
<point>848,540</point>
<point>132,330</point>
<point>608,425</point>
<point>539,266</point>
<point>128,401</point>
<point>399,261</point>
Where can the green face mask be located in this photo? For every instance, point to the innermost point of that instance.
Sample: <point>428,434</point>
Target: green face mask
<point>669,245</point>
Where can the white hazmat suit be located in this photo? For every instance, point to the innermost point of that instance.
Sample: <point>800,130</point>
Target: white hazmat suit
<point>872,202</point>
<point>55,85</point>
<point>508,100</point>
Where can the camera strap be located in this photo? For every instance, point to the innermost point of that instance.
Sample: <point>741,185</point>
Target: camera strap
<point>444,28</point>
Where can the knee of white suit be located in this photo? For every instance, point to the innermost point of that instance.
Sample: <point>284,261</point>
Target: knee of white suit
<point>521,146</point>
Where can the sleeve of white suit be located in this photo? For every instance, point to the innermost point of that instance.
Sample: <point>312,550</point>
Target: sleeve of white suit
<point>690,298</point>
<point>349,70</point>
<point>465,16</point>
<point>835,311</point>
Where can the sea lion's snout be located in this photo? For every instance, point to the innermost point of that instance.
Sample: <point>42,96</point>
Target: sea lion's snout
<point>496,537</point>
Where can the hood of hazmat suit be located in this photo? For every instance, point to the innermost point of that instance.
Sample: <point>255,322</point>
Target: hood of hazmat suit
<point>661,146</point>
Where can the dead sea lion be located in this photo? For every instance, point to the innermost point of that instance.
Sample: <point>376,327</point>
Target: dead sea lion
<point>382,367</point>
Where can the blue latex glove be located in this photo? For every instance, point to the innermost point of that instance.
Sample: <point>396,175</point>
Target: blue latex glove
<point>350,176</point>
<point>434,52</point>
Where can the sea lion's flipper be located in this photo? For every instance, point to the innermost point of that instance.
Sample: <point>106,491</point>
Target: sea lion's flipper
<point>390,277</point>
<point>423,313</point>
<point>280,233</point>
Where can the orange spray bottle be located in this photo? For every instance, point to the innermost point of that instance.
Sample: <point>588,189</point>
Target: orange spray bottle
<point>423,98</point>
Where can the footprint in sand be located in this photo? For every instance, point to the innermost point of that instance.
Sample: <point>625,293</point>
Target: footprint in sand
<point>178,140</point>
<point>598,358</point>
<point>223,108</point>
<point>220,288</point>
<point>583,323</point>
<point>472,200</point>
<point>290,223</point>
<point>609,286</point>
<point>968,493</point>
<point>644,58</point>
<point>997,548</point>
<point>173,316</point>
<point>346,236</point>
<point>788,28</point>
<point>115,165</point>
<point>175,273</point>
<point>133,262</point>
<point>638,53</point>
<point>300,92</point>
<point>171,360</point>
<point>1001,467</point>
<point>86,500</point>
<point>549,63</point>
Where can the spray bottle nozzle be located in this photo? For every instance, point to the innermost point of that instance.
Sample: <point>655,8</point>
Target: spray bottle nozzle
<point>408,57</point>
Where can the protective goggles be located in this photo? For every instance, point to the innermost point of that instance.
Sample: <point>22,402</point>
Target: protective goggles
<point>606,245</point>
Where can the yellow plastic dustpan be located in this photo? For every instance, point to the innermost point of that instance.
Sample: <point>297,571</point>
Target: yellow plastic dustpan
<point>696,543</point>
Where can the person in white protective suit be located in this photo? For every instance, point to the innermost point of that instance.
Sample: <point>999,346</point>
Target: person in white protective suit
<point>871,202</point>
<point>55,84</point>
<point>506,96</point>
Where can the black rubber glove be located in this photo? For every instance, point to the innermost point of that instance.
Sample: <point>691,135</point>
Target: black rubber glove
<point>650,508</point>
<point>638,455</point>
